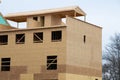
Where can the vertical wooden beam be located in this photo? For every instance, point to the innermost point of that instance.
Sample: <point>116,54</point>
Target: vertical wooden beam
<point>17,24</point>
<point>84,18</point>
<point>74,14</point>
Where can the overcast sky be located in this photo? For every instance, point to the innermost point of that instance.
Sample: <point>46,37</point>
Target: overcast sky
<point>104,13</point>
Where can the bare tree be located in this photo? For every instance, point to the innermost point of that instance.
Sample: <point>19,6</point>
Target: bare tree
<point>112,58</point>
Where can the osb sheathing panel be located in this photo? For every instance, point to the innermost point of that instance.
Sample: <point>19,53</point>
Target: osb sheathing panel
<point>26,77</point>
<point>47,76</point>
<point>33,55</point>
<point>14,73</point>
<point>32,23</point>
<point>4,27</point>
<point>80,54</point>
<point>83,71</point>
<point>81,57</point>
<point>81,77</point>
<point>62,76</point>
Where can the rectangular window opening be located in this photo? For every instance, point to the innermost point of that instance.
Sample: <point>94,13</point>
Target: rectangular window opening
<point>20,38</point>
<point>5,59</point>
<point>3,39</point>
<point>56,35</point>
<point>84,38</point>
<point>42,19</point>
<point>5,64</point>
<point>51,62</point>
<point>38,37</point>
<point>35,18</point>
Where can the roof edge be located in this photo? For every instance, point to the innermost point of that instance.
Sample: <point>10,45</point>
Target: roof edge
<point>46,11</point>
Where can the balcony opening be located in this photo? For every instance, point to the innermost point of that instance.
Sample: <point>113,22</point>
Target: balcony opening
<point>3,39</point>
<point>20,25</point>
<point>20,38</point>
<point>38,37</point>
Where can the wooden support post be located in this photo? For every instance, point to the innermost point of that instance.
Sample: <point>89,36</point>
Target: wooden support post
<point>17,24</point>
<point>84,18</point>
<point>74,14</point>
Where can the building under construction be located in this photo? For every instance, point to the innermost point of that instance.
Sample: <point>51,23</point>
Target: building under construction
<point>50,48</point>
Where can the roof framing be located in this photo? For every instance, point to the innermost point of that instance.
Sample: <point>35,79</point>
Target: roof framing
<point>73,11</point>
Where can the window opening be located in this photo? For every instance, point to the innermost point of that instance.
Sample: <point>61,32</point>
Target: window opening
<point>3,39</point>
<point>51,62</point>
<point>42,19</point>
<point>5,64</point>
<point>38,37</point>
<point>35,18</point>
<point>20,38</point>
<point>56,35</point>
<point>84,38</point>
